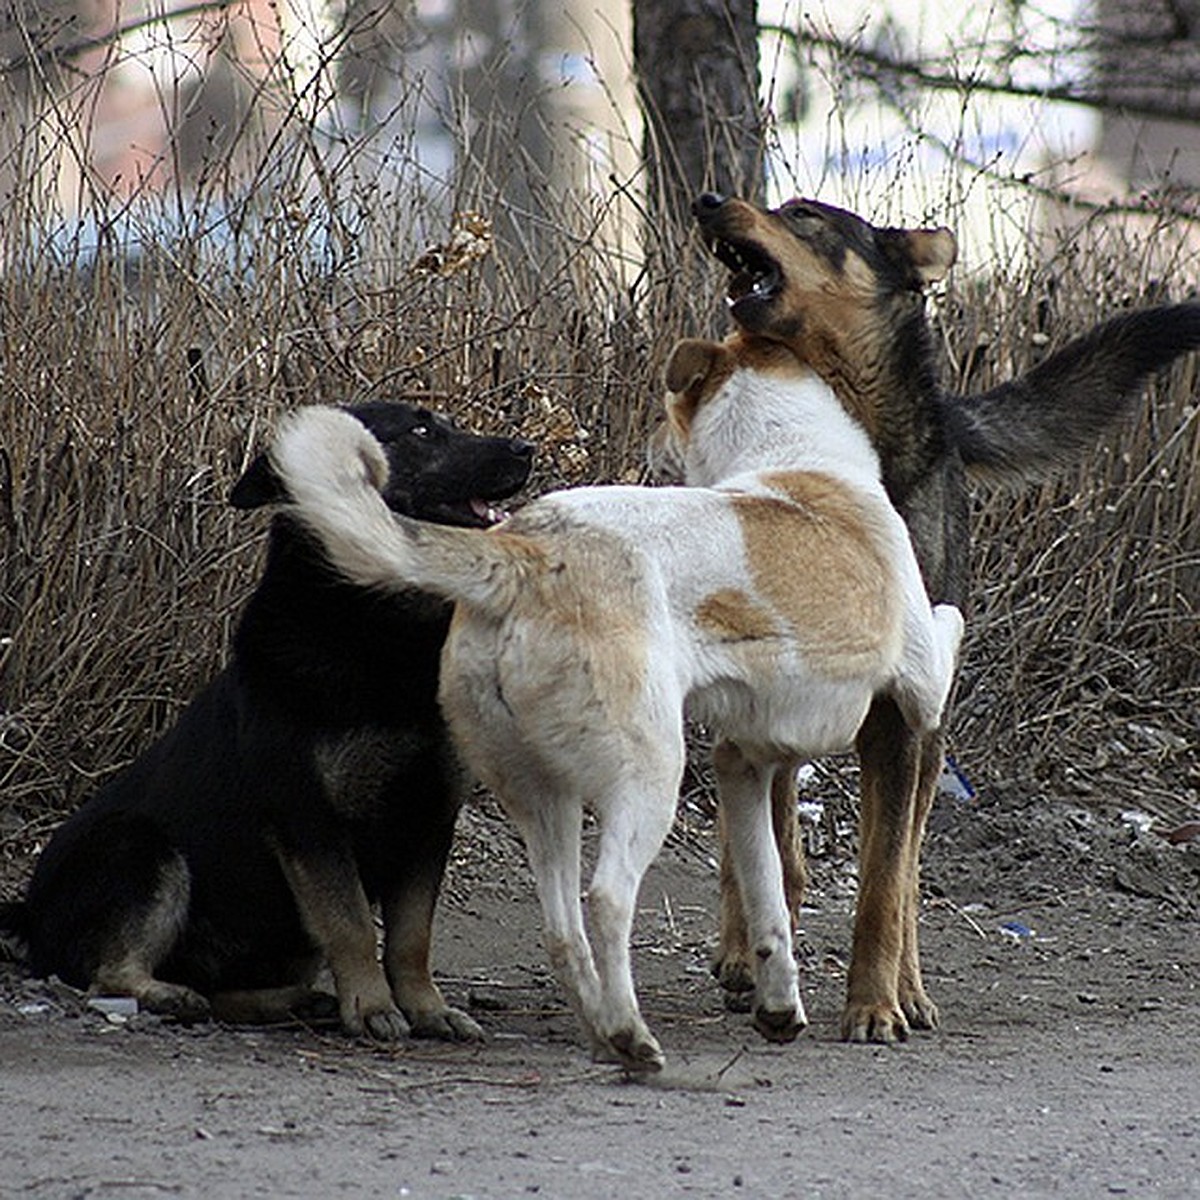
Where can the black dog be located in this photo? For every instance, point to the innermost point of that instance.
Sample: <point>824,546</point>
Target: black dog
<point>312,776</point>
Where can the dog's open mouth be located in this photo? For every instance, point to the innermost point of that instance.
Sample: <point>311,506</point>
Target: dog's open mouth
<point>488,514</point>
<point>755,274</point>
<point>475,513</point>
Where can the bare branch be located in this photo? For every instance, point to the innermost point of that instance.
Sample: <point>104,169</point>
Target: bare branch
<point>1173,99</point>
<point>53,54</point>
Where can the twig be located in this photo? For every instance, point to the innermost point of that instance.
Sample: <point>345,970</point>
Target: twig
<point>943,902</point>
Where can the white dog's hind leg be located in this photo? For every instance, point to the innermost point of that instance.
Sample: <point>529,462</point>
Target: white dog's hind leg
<point>927,665</point>
<point>635,819</point>
<point>745,797</point>
<point>551,826</point>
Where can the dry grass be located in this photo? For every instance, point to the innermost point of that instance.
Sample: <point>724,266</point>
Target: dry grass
<point>146,347</point>
<point>1082,663</point>
<point>145,351</point>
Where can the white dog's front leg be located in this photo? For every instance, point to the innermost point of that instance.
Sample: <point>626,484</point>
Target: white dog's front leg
<point>745,790</point>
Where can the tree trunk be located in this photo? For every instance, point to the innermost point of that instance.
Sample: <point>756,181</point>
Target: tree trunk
<point>696,63</point>
<point>697,71</point>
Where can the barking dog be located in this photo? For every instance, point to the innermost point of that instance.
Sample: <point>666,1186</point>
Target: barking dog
<point>311,776</point>
<point>846,298</point>
<point>775,602</point>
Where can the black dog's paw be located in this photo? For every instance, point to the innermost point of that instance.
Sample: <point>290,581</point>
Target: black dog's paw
<point>383,1025</point>
<point>447,1025</point>
<point>175,1002</point>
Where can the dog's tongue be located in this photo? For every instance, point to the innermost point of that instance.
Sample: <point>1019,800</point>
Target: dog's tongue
<point>741,283</point>
<point>485,512</point>
<point>761,284</point>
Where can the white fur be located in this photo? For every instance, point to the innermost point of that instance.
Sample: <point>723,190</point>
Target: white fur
<point>582,632</point>
<point>761,420</point>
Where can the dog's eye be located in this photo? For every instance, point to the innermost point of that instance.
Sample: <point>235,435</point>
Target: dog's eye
<point>797,210</point>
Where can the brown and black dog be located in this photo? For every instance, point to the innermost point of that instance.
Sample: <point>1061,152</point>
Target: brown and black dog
<point>847,298</point>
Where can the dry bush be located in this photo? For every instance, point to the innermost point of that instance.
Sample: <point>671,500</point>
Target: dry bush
<point>1082,658</point>
<point>147,345</point>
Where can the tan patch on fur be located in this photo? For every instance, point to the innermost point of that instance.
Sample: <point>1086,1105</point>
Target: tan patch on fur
<point>730,615</point>
<point>584,590</point>
<point>814,561</point>
<point>697,369</point>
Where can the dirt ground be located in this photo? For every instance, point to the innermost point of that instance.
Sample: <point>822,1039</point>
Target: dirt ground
<point>1059,939</point>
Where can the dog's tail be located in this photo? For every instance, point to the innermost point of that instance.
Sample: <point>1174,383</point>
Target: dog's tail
<point>1048,417</point>
<point>14,931</point>
<point>333,470</point>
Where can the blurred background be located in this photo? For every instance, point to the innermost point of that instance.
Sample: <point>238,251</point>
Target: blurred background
<point>213,211</point>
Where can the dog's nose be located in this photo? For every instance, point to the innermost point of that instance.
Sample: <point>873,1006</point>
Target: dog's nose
<point>521,448</point>
<point>708,203</point>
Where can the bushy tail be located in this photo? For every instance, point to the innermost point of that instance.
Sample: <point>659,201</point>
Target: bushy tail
<point>1048,417</point>
<point>14,931</point>
<point>333,469</point>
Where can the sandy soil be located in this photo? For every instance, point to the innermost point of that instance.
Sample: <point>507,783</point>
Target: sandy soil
<point>1060,941</point>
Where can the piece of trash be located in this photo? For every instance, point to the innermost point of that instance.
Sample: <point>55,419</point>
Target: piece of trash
<point>811,811</point>
<point>954,783</point>
<point>1017,931</point>
<point>805,773</point>
<point>114,1006</point>
<point>1140,822</point>
<point>1088,998</point>
<point>35,1008</point>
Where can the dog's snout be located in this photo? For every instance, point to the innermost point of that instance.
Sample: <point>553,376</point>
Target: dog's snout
<point>709,202</point>
<point>520,447</point>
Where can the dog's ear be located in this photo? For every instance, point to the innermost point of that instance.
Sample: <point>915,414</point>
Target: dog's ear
<point>258,487</point>
<point>690,363</point>
<point>930,253</point>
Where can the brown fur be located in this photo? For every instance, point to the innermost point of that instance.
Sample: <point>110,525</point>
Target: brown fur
<point>846,298</point>
<point>732,616</point>
<point>846,579</point>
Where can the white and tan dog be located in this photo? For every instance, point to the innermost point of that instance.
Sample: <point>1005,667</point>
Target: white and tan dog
<point>774,602</point>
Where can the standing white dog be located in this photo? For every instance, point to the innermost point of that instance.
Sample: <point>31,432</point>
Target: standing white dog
<point>774,601</point>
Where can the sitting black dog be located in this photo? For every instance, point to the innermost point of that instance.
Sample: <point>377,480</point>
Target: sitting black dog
<point>312,776</point>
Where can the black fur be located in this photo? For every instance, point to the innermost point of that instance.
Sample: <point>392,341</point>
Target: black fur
<point>1028,427</point>
<point>320,744</point>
